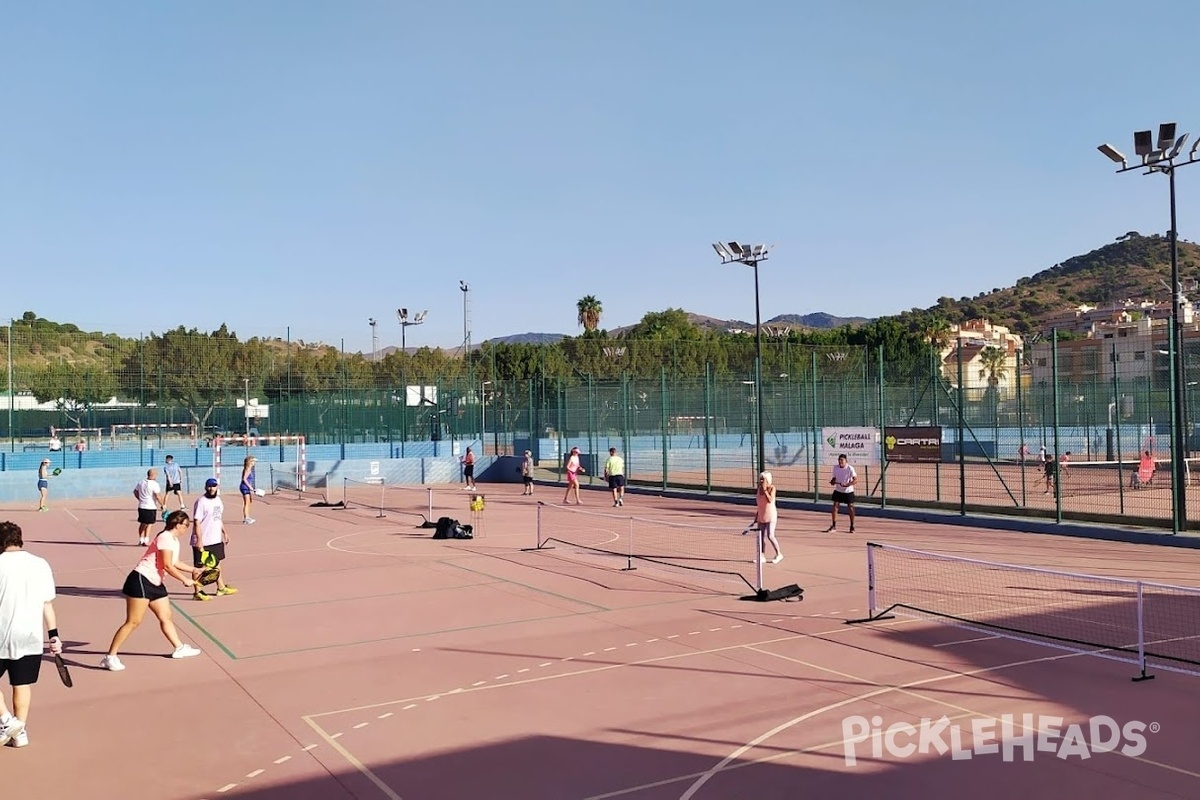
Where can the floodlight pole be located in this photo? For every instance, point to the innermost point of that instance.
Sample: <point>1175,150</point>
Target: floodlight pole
<point>1164,159</point>
<point>466,289</point>
<point>402,315</point>
<point>374,340</point>
<point>751,255</point>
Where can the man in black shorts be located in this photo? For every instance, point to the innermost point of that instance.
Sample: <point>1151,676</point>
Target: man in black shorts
<point>150,500</point>
<point>1050,468</point>
<point>209,535</point>
<point>26,603</point>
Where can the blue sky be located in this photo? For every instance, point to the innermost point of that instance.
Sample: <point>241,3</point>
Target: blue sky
<point>315,164</point>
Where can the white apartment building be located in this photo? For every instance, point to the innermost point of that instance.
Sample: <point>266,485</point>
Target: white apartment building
<point>976,335</point>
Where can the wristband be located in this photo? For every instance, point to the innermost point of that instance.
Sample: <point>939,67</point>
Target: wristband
<point>54,633</point>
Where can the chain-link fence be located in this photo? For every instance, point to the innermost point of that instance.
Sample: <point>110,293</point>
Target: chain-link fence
<point>934,428</point>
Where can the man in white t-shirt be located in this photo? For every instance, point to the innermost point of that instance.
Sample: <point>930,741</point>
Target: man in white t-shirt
<point>150,501</point>
<point>26,603</point>
<point>843,480</point>
<point>209,534</point>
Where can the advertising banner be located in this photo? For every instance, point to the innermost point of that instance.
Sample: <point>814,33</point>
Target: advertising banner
<point>923,444</point>
<point>861,445</point>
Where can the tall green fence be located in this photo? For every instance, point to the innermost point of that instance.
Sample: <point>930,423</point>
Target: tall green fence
<point>684,413</point>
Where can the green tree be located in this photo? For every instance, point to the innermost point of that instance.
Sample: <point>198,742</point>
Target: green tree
<point>72,390</point>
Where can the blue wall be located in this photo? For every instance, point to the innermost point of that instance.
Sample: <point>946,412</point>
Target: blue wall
<point>113,473</point>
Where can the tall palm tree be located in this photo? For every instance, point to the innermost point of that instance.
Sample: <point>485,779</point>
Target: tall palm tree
<point>937,333</point>
<point>590,310</point>
<point>992,363</point>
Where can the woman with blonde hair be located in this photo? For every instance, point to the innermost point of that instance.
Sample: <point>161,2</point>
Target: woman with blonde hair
<point>766,517</point>
<point>246,487</point>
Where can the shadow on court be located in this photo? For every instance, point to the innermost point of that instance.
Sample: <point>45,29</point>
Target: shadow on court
<point>560,768</point>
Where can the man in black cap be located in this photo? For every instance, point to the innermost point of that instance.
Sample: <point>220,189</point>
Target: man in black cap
<point>209,534</point>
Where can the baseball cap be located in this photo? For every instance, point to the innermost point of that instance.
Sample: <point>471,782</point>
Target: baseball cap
<point>211,482</point>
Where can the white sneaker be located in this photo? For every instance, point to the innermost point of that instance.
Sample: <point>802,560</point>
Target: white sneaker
<point>20,740</point>
<point>778,557</point>
<point>11,729</point>
<point>185,651</point>
<point>111,663</point>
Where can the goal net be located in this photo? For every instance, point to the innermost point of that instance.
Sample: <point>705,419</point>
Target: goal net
<point>282,463</point>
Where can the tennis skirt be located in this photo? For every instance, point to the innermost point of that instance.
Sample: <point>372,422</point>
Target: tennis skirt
<point>137,586</point>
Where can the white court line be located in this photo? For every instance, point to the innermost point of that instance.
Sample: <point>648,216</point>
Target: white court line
<point>966,641</point>
<point>740,765</point>
<point>71,515</point>
<point>736,754</point>
<point>984,715</point>
<point>412,701</point>
<point>346,754</point>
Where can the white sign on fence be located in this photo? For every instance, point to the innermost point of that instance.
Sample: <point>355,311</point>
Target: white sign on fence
<point>374,467</point>
<point>861,445</point>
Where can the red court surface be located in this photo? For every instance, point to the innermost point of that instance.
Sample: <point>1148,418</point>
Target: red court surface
<point>363,659</point>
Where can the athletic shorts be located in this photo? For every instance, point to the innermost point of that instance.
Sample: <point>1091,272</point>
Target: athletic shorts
<point>244,488</point>
<point>616,481</point>
<point>147,516</point>
<point>528,480</point>
<point>843,497</point>
<point>217,550</point>
<point>22,671</point>
<point>174,487</point>
<point>468,470</point>
<point>137,586</point>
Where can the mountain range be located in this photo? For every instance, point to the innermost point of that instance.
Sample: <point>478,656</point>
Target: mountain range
<point>1134,267</point>
<point>777,324</point>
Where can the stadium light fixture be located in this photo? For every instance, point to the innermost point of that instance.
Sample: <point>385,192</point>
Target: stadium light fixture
<point>402,316</point>
<point>374,340</point>
<point>751,256</point>
<point>1165,159</point>
<point>1113,153</point>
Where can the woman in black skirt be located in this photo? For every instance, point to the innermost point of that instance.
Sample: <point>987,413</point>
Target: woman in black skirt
<point>146,588</point>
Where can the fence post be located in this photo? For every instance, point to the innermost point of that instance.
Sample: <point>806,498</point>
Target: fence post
<point>962,464</point>
<point>1115,419</point>
<point>591,429</point>
<point>816,436</point>
<point>707,418</point>
<point>1021,427</point>
<point>882,438</point>
<point>663,406</point>
<point>1058,515</point>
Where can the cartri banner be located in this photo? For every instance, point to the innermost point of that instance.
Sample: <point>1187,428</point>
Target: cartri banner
<point>913,444</point>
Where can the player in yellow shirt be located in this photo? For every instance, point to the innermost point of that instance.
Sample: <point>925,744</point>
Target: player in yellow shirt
<point>614,472</point>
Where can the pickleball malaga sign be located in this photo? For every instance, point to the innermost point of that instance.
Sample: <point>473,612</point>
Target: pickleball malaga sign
<point>861,445</point>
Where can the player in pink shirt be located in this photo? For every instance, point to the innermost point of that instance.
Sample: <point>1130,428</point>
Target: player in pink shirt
<point>573,470</point>
<point>145,588</point>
